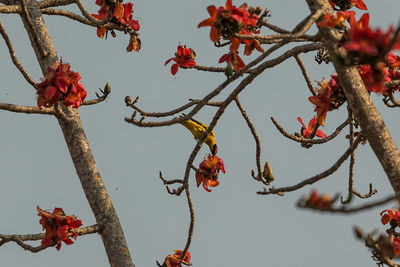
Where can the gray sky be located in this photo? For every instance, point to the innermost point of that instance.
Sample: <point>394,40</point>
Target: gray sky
<point>234,226</point>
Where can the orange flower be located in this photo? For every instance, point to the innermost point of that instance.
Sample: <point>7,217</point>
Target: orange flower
<point>338,20</point>
<point>175,259</point>
<point>306,132</point>
<point>58,227</point>
<point>388,215</point>
<point>60,83</point>
<point>319,201</point>
<point>322,101</point>
<point>209,170</point>
<point>184,58</point>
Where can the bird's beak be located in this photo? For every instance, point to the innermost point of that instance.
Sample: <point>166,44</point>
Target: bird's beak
<point>214,149</point>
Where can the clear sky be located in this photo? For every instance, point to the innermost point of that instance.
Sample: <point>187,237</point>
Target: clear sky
<point>234,226</point>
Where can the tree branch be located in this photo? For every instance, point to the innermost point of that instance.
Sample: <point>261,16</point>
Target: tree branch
<point>14,57</point>
<point>317,177</point>
<point>26,109</point>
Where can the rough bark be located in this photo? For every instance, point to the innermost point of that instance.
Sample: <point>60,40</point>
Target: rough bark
<point>360,102</point>
<point>71,126</point>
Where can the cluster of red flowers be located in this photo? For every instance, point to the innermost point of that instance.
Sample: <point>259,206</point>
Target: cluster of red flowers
<point>184,58</point>
<point>175,259</point>
<point>319,201</point>
<point>226,21</point>
<point>60,83</point>
<point>209,170</point>
<point>367,48</point>
<point>393,217</point>
<point>58,226</point>
<point>120,14</point>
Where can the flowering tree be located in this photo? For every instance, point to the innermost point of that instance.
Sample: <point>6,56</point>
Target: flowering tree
<point>365,61</point>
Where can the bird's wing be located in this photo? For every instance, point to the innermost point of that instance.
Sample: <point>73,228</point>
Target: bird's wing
<point>202,125</point>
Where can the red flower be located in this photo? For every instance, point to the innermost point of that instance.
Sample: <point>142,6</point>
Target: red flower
<point>365,42</point>
<point>228,20</point>
<point>319,201</point>
<point>338,20</point>
<point>58,227</point>
<point>121,14</point>
<point>392,60</point>
<point>322,101</point>
<point>388,215</point>
<point>306,132</point>
<point>344,5</point>
<point>234,59</point>
<point>396,245</point>
<point>209,167</point>
<point>374,77</point>
<point>60,83</point>
<point>175,260</point>
<point>184,58</point>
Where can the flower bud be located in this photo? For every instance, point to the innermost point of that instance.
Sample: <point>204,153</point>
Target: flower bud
<point>128,100</point>
<point>107,89</point>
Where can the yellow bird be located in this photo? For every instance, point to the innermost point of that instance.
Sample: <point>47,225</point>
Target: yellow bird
<point>197,129</point>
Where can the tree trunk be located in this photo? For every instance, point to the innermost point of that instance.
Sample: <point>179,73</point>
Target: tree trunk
<point>78,146</point>
<point>360,102</point>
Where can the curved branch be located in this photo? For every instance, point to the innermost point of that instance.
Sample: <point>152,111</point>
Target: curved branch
<point>317,177</point>
<point>255,136</point>
<point>14,57</point>
<point>78,18</point>
<point>88,16</point>
<point>54,3</point>
<point>308,140</point>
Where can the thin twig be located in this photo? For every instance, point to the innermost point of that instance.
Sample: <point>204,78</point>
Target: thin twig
<point>317,177</point>
<point>255,136</point>
<point>14,57</point>
<point>273,27</point>
<point>352,158</point>
<point>305,74</point>
<point>345,209</point>
<point>210,69</point>
<point>174,191</point>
